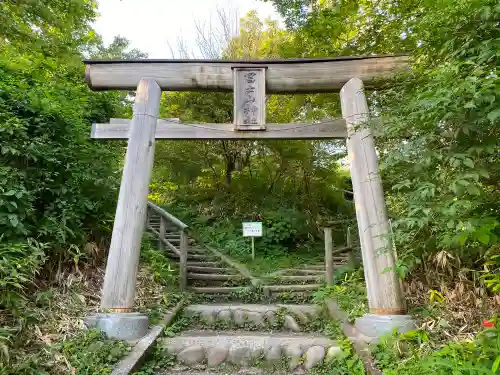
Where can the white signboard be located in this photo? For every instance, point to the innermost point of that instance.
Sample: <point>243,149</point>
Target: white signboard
<point>252,229</point>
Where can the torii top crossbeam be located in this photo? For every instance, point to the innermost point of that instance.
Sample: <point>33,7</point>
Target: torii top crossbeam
<point>311,75</point>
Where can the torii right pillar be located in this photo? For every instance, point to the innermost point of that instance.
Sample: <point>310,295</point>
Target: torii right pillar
<point>385,294</point>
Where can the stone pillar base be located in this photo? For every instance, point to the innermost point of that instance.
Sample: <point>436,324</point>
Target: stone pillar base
<point>373,326</point>
<point>119,326</point>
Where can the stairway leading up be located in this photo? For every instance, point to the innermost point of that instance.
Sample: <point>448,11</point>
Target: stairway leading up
<point>201,270</point>
<point>237,337</point>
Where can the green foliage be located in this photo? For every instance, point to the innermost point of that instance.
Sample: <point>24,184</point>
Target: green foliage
<point>156,361</point>
<point>19,263</point>
<point>90,353</point>
<point>52,27</point>
<point>156,262</point>
<point>441,156</point>
<point>57,187</point>
<point>287,239</point>
<point>491,274</point>
<point>51,187</point>
<point>439,145</point>
<point>414,353</point>
<point>349,291</point>
<point>283,228</point>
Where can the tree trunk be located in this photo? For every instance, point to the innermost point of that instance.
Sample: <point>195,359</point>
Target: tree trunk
<point>229,170</point>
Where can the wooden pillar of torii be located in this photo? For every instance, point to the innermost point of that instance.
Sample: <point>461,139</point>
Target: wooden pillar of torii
<point>250,81</point>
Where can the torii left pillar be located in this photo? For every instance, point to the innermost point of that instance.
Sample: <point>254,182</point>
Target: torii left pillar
<point>118,320</point>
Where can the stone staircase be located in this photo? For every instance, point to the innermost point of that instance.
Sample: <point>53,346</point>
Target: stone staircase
<point>205,271</point>
<point>270,338</point>
<point>300,283</point>
<point>223,338</point>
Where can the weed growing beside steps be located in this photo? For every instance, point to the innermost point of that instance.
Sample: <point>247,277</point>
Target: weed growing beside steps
<point>158,290</point>
<point>416,353</point>
<point>156,361</point>
<point>91,353</point>
<point>47,335</point>
<point>349,291</point>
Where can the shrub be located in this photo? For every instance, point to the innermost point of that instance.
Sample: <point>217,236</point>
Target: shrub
<point>19,262</point>
<point>414,353</point>
<point>284,229</point>
<point>51,187</point>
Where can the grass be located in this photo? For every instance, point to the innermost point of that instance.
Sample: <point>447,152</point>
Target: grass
<point>48,336</point>
<point>269,257</point>
<point>266,263</point>
<point>349,291</point>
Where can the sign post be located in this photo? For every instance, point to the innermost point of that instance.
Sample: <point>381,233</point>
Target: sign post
<point>252,229</point>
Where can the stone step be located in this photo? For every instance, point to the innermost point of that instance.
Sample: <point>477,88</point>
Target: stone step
<point>198,251</point>
<point>296,271</point>
<point>203,269</point>
<point>237,315</point>
<point>291,287</point>
<point>209,257</point>
<point>194,348</point>
<point>314,267</point>
<point>258,308</point>
<point>174,241</point>
<point>183,370</point>
<point>217,290</point>
<point>212,276</point>
<point>171,255</point>
<point>191,257</point>
<point>202,264</point>
<point>299,278</point>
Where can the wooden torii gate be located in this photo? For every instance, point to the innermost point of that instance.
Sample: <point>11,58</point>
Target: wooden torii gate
<point>250,81</point>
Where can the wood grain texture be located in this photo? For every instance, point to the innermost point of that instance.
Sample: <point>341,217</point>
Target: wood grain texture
<point>120,128</point>
<point>166,242</point>
<point>183,260</point>
<point>249,98</point>
<point>161,232</point>
<point>350,244</point>
<point>384,291</point>
<point>121,269</point>
<point>328,256</point>
<point>295,77</point>
<point>170,218</point>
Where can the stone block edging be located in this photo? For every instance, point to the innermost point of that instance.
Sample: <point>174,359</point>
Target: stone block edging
<point>141,349</point>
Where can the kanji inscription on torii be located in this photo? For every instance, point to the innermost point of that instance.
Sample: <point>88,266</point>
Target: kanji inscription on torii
<point>249,98</point>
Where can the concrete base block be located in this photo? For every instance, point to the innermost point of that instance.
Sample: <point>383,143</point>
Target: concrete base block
<point>119,326</point>
<point>372,326</point>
